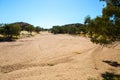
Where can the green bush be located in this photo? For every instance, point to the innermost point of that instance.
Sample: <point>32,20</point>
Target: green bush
<point>11,30</point>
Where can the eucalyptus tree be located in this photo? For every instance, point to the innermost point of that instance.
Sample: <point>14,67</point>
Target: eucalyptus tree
<point>106,28</point>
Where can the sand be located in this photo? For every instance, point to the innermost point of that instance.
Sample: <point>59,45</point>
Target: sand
<point>56,57</point>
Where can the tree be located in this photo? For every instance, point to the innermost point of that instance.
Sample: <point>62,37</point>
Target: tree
<point>30,29</point>
<point>106,28</point>
<point>87,20</point>
<point>99,30</point>
<point>38,29</point>
<point>69,29</point>
<point>112,11</point>
<point>1,30</point>
<point>11,30</point>
<point>55,29</point>
<point>72,30</point>
<point>89,24</point>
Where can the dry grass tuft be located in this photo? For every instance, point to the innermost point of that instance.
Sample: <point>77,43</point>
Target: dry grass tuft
<point>77,52</point>
<point>50,64</point>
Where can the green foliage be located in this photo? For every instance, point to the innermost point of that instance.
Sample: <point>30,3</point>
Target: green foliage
<point>22,25</point>
<point>87,20</point>
<point>69,29</point>
<point>72,30</point>
<point>30,28</point>
<point>105,29</point>
<point>1,30</point>
<point>56,29</point>
<point>38,29</point>
<point>10,30</point>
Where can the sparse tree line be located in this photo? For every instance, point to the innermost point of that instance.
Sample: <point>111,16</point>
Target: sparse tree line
<point>11,31</point>
<point>102,30</point>
<point>69,29</point>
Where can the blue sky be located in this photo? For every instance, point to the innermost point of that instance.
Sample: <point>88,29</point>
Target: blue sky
<point>47,13</point>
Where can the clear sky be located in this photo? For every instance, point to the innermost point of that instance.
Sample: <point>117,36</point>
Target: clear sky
<point>46,13</point>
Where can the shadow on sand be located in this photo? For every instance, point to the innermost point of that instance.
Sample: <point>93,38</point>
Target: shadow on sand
<point>110,76</point>
<point>6,40</point>
<point>112,63</point>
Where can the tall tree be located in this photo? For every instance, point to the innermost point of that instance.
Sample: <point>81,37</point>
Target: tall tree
<point>112,11</point>
<point>105,29</point>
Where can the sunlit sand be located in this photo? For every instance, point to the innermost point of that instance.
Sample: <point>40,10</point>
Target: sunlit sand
<point>56,57</point>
